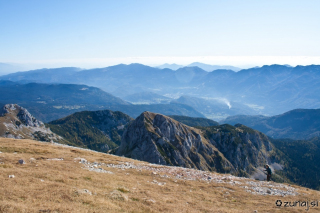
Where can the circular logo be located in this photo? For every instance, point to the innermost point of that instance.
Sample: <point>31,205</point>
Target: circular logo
<point>278,203</point>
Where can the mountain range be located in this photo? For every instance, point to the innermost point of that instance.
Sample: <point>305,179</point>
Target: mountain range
<point>266,90</point>
<point>49,102</point>
<point>206,67</point>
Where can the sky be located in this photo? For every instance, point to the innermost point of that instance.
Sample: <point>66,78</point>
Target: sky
<point>99,33</point>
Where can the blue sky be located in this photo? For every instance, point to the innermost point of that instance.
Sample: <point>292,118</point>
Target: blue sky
<point>51,33</point>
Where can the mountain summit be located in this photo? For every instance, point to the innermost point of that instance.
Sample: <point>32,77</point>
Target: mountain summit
<point>162,140</point>
<point>159,139</point>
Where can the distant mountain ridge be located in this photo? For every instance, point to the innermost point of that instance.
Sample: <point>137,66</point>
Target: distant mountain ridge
<point>170,66</point>
<point>210,68</point>
<point>48,102</point>
<point>295,124</point>
<point>206,67</point>
<point>270,89</point>
<point>52,101</point>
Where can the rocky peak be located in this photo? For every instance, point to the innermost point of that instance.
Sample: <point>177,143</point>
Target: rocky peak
<point>17,122</point>
<point>156,138</point>
<point>159,139</point>
<point>22,114</point>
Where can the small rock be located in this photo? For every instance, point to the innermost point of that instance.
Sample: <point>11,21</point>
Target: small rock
<point>31,160</point>
<point>150,201</point>
<point>11,176</point>
<point>116,195</point>
<point>84,191</point>
<point>21,161</point>
<point>41,180</point>
<point>55,159</point>
<point>81,160</point>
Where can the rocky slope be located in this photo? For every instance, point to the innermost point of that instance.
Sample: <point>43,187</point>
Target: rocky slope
<point>97,130</point>
<point>246,149</point>
<point>17,122</point>
<point>159,139</point>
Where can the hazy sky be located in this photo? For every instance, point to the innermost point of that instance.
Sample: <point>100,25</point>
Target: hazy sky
<point>101,33</point>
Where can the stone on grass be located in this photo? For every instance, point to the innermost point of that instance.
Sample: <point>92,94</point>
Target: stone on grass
<point>116,195</point>
<point>84,191</point>
<point>21,161</point>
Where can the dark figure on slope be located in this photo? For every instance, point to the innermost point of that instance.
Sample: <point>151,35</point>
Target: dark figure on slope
<point>269,172</point>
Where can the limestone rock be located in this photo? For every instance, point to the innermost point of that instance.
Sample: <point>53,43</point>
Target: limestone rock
<point>156,138</point>
<point>17,122</point>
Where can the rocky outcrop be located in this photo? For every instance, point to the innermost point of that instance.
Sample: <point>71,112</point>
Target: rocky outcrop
<point>156,138</point>
<point>245,148</point>
<point>17,122</point>
<point>159,139</point>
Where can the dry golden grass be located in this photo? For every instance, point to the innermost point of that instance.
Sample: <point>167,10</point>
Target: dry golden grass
<point>43,185</point>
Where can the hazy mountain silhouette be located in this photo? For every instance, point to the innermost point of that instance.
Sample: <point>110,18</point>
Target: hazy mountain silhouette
<point>209,68</point>
<point>170,66</point>
<point>268,89</point>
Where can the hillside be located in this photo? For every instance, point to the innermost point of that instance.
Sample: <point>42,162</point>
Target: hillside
<point>55,178</point>
<point>302,161</point>
<point>97,130</point>
<point>295,124</point>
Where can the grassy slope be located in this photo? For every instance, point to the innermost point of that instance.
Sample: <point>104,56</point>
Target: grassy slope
<point>62,181</point>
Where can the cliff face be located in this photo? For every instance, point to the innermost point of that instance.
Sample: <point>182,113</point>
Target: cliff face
<point>17,122</point>
<point>156,138</point>
<point>245,148</point>
<point>159,139</point>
